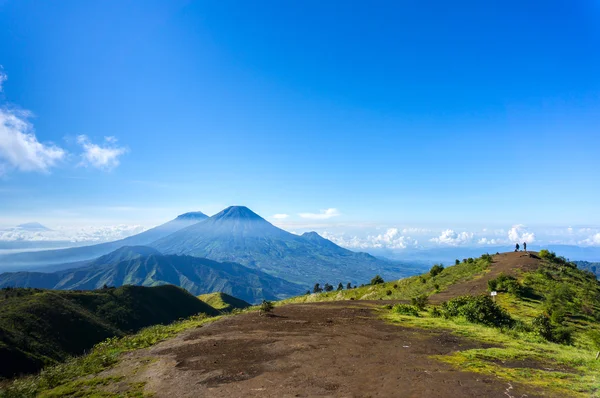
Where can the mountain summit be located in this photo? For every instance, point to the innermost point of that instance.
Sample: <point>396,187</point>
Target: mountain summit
<point>239,235</point>
<point>33,226</point>
<point>238,213</point>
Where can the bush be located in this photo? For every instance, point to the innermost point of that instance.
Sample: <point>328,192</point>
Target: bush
<point>506,283</point>
<point>436,270</point>
<point>389,293</point>
<point>266,306</point>
<point>419,302</point>
<point>377,280</point>
<point>547,254</point>
<point>435,312</point>
<point>477,309</point>
<point>543,326</point>
<point>328,287</point>
<point>405,309</point>
<point>487,257</point>
<point>456,262</point>
<point>594,336</point>
<point>436,287</point>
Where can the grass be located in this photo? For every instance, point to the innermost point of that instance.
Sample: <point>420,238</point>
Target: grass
<point>567,370</point>
<point>77,376</point>
<point>519,354</point>
<point>43,327</point>
<point>224,302</point>
<point>404,289</point>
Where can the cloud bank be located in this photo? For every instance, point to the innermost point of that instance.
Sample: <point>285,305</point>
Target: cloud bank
<point>87,234</point>
<point>322,215</point>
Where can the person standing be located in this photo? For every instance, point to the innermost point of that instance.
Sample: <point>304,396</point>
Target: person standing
<point>525,247</point>
<point>517,247</point>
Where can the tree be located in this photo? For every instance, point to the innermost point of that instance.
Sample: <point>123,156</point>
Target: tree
<point>265,307</point>
<point>457,262</point>
<point>436,269</point>
<point>328,287</point>
<point>349,286</point>
<point>317,288</point>
<point>377,280</point>
<point>308,292</point>
<point>340,286</point>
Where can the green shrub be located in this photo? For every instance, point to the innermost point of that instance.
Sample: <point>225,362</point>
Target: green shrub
<point>594,336</point>
<point>405,309</point>
<point>419,302</point>
<point>388,293</point>
<point>436,270</point>
<point>456,262</point>
<point>477,309</point>
<point>377,280</point>
<point>506,283</point>
<point>266,306</point>
<point>487,257</point>
<point>435,312</point>
<point>543,326</point>
<point>547,254</point>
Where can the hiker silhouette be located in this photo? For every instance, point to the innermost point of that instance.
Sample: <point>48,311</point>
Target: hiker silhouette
<point>525,246</point>
<point>517,247</point>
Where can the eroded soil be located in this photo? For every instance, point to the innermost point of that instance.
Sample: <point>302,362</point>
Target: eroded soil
<point>333,349</point>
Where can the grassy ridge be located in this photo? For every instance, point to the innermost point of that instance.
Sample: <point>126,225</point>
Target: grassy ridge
<point>566,297</point>
<point>403,289</point>
<point>223,302</point>
<point>43,327</point>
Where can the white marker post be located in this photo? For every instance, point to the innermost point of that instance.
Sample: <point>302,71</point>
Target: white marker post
<point>494,294</point>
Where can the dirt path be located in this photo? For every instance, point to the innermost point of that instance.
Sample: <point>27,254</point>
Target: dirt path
<point>338,349</point>
<point>511,263</point>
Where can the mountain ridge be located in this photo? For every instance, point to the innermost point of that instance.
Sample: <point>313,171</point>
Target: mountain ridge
<point>238,234</point>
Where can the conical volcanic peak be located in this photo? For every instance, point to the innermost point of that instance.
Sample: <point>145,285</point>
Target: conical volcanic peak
<point>193,215</point>
<point>237,213</point>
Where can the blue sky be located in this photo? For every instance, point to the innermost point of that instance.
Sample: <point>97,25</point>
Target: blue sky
<point>412,115</point>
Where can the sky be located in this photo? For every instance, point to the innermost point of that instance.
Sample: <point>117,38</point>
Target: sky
<point>394,123</point>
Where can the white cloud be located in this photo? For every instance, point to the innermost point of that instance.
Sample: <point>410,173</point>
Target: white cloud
<point>280,216</point>
<point>390,239</point>
<point>519,233</point>
<point>104,157</point>
<point>86,234</point>
<point>452,238</point>
<point>487,241</point>
<point>416,231</point>
<point>20,148</point>
<point>593,240</point>
<point>323,215</point>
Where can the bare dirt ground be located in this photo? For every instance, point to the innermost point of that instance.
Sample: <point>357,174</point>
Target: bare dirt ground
<point>511,263</point>
<point>333,349</point>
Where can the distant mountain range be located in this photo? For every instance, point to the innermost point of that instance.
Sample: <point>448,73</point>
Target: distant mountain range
<point>592,267</point>
<point>77,254</point>
<point>33,226</point>
<point>144,266</point>
<point>237,234</point>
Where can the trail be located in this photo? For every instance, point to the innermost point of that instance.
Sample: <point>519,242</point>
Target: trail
<point>335,349</point>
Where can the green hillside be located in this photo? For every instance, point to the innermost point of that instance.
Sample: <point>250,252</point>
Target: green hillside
<point>543,327</point>
<point>40,327</point>
<point>224,302</point>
